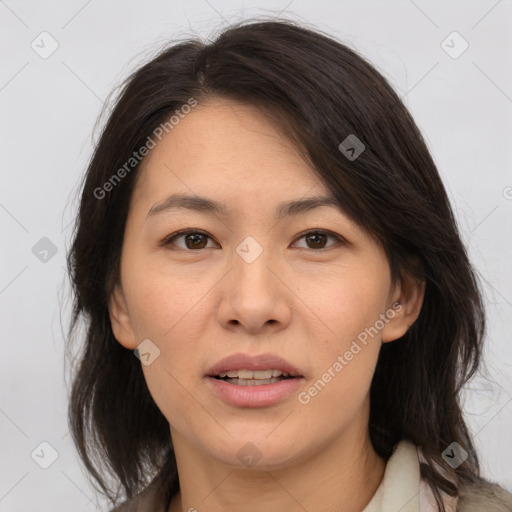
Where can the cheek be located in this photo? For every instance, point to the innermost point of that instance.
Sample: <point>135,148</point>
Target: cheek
<point>343,373</point>
<point>350,301</point>
<point>162,304</point>
<point>170,313</point>
<point>346,354</point>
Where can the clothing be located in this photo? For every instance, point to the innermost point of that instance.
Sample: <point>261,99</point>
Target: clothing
<point>401,490</point>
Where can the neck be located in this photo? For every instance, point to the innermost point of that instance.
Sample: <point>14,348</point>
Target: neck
<point>344,475</point>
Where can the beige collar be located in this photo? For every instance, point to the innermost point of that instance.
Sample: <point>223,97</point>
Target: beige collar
<point>402,488</point>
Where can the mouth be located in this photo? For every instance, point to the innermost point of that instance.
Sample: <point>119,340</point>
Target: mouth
<point>253,370</point>
<point>253,377</point>
<point>263,380</point>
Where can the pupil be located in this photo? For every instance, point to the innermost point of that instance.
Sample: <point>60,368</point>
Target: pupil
<point>316,236</point>
<point>194,238</point>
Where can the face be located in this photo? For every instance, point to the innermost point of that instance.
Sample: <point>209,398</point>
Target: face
<point>252,277</point>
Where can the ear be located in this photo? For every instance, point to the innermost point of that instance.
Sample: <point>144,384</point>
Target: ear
<point>405,306</point>
<point>120,319</point>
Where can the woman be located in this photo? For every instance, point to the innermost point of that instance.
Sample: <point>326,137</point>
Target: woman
<point>280,311</point>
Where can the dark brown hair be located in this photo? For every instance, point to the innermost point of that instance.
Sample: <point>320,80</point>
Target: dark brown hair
<point>318,91</point>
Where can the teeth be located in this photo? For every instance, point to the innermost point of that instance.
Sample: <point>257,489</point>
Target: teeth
<point>253,382</point>
<point>250,374</point>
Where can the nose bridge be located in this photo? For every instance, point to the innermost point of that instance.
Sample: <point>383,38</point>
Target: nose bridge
<point>250,250</point>
<point>251,263</point>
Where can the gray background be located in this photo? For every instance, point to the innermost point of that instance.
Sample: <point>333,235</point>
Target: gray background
<point>462,103</point>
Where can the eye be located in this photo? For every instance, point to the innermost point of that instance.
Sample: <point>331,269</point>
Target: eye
<point>318,238</point>
<point>193,239</point>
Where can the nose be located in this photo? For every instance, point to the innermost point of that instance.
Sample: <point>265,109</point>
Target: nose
<point>255,297</point>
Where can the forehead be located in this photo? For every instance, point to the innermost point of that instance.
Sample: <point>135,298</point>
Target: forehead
<point>223,145</point>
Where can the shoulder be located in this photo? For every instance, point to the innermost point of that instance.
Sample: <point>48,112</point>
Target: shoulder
<point>479,496</point>
<point>484,496</point>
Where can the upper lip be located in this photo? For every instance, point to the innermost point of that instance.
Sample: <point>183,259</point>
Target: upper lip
<point>254,362</point>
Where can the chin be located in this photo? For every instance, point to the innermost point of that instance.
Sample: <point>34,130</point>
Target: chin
<point>256,452</point>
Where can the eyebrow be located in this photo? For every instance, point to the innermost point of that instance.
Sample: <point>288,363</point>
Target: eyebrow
<point>206,205</point>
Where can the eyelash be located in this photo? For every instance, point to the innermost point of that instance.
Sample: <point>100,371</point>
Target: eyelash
<point>169,239</point>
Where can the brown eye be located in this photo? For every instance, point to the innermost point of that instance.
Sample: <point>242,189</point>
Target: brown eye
<point>195,241</point>
<point>317,240</point>
<point>192,240</point>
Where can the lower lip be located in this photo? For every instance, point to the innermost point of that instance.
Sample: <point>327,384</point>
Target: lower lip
<point>261,395</point>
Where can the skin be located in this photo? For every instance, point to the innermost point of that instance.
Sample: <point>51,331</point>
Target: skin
<point>198,305</point>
